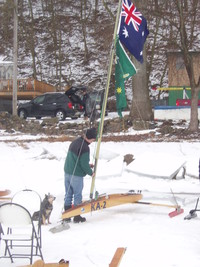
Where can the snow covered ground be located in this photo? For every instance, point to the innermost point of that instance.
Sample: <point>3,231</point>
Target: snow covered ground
<point>150,236</point>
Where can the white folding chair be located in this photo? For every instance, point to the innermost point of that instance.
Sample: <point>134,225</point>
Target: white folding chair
<point>31,200</point>
<point>22,240</point>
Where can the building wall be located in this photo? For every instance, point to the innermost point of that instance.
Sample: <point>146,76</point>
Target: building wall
<point>6,70</point>
<point>177,75</point>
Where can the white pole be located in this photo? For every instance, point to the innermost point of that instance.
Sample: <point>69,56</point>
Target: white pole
<point>14,100</point>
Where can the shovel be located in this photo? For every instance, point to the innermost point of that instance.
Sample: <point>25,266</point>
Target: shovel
<point>174,213</point>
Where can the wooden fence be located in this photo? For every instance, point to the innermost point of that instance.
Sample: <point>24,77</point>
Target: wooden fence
<point>26,88</point>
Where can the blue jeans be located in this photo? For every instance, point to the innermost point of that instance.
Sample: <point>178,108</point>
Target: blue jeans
<point>73,187</point>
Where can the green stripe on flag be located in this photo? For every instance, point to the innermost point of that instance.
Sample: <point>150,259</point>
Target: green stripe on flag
<point>124,69</point>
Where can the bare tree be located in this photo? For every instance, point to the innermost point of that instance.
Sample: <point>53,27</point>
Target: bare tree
<point>187,39</point>
<point>83,19</point>
<point>6,26</point>
<point>141,106</point>
<point>174,26</point>
<point>178,31</point>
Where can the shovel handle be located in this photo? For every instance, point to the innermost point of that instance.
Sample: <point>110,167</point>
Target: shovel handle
<point>157,204</point>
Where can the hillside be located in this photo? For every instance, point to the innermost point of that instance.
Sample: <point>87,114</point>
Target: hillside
<point>69,42</point>
<point>68,48</point>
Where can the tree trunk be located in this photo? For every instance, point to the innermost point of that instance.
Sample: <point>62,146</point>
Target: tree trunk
<point>194,122</point>
<point>141,106</point>
<point>188,60</point>
<point>32,42</point>
<point>83,25</point>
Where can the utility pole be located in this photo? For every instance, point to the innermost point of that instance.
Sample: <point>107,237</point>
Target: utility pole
<point>14,99</point>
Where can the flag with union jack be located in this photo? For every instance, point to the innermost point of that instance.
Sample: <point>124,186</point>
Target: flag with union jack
<point>132,29</point>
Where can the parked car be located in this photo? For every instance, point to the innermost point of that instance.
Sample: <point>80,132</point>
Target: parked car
<point>48,105</point>
<point>94,101</point>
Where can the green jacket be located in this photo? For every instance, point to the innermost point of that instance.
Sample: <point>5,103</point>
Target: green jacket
<point>78,158</point>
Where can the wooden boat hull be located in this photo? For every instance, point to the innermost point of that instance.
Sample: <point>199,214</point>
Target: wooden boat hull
<point>102,202</point>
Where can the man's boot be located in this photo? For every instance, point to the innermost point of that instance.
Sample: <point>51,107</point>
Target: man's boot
<point>67,208</point>
<point>78,219</point>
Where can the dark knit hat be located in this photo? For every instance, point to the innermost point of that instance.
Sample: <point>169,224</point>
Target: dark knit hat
<point>91,133</point>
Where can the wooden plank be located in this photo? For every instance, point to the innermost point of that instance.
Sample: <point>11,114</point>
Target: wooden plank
<point>20,95</point>
<point>41,263</point>
<point>5,199</point>
<point>102,202</point>
<point>119,253</point>
<point>4,193</point>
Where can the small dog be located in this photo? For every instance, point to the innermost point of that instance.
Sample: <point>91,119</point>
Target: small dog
<point>46,209</point>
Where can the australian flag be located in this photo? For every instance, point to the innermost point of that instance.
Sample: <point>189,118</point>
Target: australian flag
<point>132,29</point>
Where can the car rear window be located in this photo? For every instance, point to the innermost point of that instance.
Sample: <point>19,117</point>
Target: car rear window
<point>63,98</point>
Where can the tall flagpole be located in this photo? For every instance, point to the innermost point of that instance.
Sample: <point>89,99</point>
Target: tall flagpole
<point>105,100</point>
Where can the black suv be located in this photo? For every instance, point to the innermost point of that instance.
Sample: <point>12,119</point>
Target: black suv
<point>48,105</point>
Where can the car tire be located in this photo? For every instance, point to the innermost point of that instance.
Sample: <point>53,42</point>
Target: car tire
<point>60,114</point>
<point>22,114</point>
